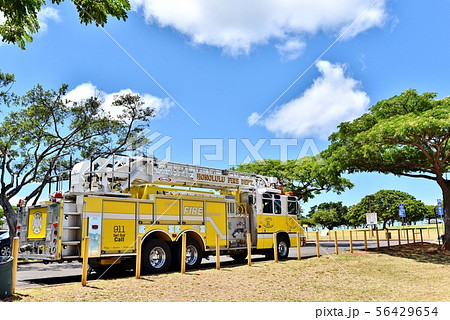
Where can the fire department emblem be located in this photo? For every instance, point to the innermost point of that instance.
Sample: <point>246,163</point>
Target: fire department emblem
<point>36,224</point>
<point>268,223</point>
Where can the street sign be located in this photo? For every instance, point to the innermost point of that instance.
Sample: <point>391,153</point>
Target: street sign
<point>401,210</point>
<point>371,218</point>
<point>440,210</point>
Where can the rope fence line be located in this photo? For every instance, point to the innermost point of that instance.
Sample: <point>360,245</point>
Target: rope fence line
<point>407,233</point>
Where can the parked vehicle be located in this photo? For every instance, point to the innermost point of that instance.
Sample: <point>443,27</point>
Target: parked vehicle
<point>116,200</point>
<point>5,243</point>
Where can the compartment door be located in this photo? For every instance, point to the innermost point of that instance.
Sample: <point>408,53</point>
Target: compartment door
<point>37,223</point>
<point>216,223</point>
<point>119,226</point>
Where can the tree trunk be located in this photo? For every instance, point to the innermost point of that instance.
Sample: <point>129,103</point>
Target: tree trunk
<point>446,198</point>
<point>10,214</point>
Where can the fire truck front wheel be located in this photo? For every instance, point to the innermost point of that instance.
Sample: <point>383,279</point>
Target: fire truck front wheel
<point>156,256</point>
<point>283,247</point>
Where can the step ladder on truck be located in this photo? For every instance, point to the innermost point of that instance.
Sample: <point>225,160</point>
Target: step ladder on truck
<point>117,199</point>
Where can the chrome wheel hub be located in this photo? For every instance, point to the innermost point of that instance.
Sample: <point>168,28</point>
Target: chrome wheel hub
<point>282,248</point>
<point>191,255</point>
<point>157,257</point>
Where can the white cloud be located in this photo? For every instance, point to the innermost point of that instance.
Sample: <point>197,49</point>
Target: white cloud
<point>82,92</point>
<point>45,15</point>
<point>87,90</point>
<point>331,99</point>
<point>236,26</point>
<point>291,49</point>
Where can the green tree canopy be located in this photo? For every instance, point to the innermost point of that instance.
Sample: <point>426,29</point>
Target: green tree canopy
<point>42,126</point>
<point>304,177</point>
<point>21,16</point>
<point>329,214</point>
<point>406,135</point>
<point>386,204</point>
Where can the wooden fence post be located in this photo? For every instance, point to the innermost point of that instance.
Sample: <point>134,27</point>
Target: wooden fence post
<point>249,248</point>
<point>218,250</point>
<point>336,246</point>
<point>183,253</point>
<point>399,237</point>
<point>365,240</point>
<point>15,254</point>
<point>299,244</point>
<point>421,236</point>
<point>351,242</point>
<point>85,262</point>
<point>138,257</point>
<point>317,244</point>
<point>275,247</point>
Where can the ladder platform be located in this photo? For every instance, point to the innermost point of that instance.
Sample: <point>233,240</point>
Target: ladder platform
<point>72,228</point>
<point>70,243</point>
<point>71,213</point>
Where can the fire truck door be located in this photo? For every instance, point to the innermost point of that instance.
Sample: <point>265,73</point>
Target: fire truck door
<point>267,221</point>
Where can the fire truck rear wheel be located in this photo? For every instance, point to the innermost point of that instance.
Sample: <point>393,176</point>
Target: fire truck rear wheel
<point>239,257</point>
<point>193,254</point>
<point>156,256</point>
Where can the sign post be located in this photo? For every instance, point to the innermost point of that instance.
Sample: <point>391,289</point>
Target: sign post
<point>371,220</point>
<point>440,212</point>
<point>401,210</point>
<point>402,213</point>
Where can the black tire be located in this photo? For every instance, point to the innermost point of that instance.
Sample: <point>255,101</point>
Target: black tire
<point>107,270</point>
<point>268,254</point>
<point>194,254</point>
<point>156,256</point>
<point>283,247</point>
<point>5,251</point>
<point>239,257</point>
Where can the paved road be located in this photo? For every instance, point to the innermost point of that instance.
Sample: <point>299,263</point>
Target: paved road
<point>39,274</point>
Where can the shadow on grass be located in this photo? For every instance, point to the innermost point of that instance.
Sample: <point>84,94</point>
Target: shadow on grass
<point>14,297</point>
<point>428,253</point>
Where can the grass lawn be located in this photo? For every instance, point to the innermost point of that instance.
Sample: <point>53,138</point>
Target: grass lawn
<point>406,273</point>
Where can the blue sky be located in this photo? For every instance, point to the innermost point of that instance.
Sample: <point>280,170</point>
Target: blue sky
<point>226,62</point>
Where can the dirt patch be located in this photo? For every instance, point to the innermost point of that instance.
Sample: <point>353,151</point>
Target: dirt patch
<point>428,253</point>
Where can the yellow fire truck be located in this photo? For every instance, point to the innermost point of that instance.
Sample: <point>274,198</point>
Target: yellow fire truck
<point>117,199</point>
